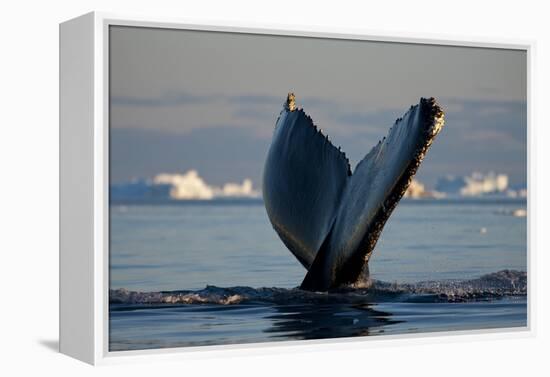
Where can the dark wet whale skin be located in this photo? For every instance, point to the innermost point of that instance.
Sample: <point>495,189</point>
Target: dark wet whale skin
<point>304,177</point>
<point>327,217</point>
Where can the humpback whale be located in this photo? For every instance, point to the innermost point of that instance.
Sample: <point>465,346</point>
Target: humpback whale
<point>327,216</point>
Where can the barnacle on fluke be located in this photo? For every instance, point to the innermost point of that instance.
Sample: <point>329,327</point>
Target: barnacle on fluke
<point>329,218</point>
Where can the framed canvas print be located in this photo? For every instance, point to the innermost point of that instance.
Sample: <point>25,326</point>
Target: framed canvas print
<point>225,186</point>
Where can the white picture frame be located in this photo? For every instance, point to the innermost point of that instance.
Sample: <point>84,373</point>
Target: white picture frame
<point>84,184</point>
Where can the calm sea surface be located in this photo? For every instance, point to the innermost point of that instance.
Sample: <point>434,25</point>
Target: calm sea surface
<point>188,246</point>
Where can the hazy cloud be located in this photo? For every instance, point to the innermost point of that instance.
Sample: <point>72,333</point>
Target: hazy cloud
<point>186,100</point>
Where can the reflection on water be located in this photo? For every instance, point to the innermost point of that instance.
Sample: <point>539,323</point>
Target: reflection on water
<point>197,325</point>
<point>135,327</point>
<point>326,321</point>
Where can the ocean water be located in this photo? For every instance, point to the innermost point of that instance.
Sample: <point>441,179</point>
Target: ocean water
<point>205,273</point>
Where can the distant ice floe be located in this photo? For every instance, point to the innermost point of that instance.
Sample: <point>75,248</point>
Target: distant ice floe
<point>479,184</point>
<point>190,186</point>
<point>187,186</point>
<point>235,190</point>
<point>417,190</point>
<point>518,212</point>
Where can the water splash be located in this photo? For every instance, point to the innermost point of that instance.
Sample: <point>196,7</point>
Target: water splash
<point>491,286</point>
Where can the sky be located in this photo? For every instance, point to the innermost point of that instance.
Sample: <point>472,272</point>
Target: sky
<point>182,100</point>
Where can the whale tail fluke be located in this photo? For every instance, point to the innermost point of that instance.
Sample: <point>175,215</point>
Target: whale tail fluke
<point>329,218</point>
<point>303,179</point>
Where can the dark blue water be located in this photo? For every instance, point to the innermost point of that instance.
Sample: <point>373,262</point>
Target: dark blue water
<point>185,247</point>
